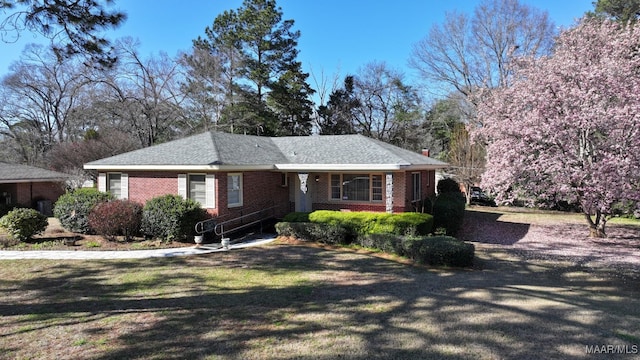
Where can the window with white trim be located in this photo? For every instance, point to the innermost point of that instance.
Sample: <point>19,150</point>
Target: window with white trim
<point>416,186</point>
<point>234,190</point>
<point>114,184</point>
<point>197,188</point>
<point>356,187</point>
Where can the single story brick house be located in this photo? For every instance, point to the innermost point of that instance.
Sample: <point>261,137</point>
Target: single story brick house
<point>231,174</point>
<point>30,186</point>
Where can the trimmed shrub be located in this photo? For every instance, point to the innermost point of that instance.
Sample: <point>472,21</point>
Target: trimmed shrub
<point>448,212</point>
<point>306,231</point>
<point>117,217</point>
<point>439,250</point>
<point>171,217</point>
<point>388,243</point>
<point>448,208</point>
<point>296,217</point>
<point>21,224</point>
<point>5,208</point>
<point>362,223</point>
<point>73,208</point>
<point>447,185</point>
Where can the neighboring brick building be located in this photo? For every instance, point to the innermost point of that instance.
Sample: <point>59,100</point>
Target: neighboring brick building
<point>232,174</point>
<point>30,186</point>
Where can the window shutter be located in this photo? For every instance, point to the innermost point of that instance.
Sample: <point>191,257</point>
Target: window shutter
<point>210,190</point>
<point>124,186</point>
<point>182,185</point>
<point>102,182</point>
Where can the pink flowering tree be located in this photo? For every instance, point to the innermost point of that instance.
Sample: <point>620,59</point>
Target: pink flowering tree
<point>568,129</point>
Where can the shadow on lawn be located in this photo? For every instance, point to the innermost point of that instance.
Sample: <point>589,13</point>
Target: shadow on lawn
<point>349,305</point>
<point>484,227</point>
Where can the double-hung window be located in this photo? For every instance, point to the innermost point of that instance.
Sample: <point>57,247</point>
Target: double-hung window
<point>417,183</point>
<point>197,188</point>
<point>234,190</point>
<point>114,184</point>
<point>356,187</point>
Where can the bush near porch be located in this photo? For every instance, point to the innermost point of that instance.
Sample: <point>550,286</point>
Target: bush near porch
<point>402,234</point>
<point>362,222</point>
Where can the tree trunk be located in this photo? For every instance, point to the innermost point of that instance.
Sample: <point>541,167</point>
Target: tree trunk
<point>597,227</point>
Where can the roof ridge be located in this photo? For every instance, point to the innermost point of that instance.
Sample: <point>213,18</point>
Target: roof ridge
<point>214,143</point>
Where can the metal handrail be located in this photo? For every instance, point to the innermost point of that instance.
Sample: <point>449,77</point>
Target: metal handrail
<point>205,226</point>
<point>219,228</point>
<point>211,225</point>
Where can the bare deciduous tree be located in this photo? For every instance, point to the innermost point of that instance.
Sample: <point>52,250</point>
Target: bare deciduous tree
<point>469,53</point>
<point>145,94</point>
<point>39,100</point>
<point>466,158</point>
<point>388,109</point>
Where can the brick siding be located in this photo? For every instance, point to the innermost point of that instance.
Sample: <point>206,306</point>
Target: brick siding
<point>28,194</point>
<point>263,189</point>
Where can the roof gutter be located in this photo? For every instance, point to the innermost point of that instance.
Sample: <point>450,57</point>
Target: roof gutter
<point>38,180</point>
<point>177,167</point>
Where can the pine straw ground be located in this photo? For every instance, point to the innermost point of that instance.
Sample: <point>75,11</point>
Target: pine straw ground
<point>539,289</point>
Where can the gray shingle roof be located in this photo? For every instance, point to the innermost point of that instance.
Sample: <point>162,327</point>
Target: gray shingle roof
<point>220,149</point>
<point>10,173</point>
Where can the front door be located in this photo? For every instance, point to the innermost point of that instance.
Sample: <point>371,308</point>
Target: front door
<point>304,202</point>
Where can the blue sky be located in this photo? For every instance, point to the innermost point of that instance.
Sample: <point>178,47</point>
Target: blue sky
<point>337,36</point>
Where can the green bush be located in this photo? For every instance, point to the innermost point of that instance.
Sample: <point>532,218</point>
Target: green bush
<point>21,224</point>
<point>438,250</point>
<point>306,231</point>
<point>5,208</point>
<point>73,208</point>
<point>388,243</point>
<point>447,185</point>
<point>171,217</point>
<point>448,212</point>
<point>296,217</point>
<point>362,223</point>
<point>117,217</point>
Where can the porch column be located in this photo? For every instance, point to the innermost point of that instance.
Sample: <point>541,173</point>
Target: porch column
<point>389,192</point>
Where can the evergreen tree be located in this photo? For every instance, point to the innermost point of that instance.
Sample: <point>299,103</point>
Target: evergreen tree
<point>336,118</point>
<point>74,26</point>
<point>258,53</point>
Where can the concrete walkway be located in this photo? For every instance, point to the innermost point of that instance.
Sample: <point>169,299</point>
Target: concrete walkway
<point>128,254</point>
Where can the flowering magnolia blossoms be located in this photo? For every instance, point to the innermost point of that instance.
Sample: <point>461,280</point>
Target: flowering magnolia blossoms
<point>569,126</point>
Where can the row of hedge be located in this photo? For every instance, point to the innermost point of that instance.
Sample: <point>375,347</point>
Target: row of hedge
<point>363,223</point>
<point>404,234</point>
<point>167,217</point>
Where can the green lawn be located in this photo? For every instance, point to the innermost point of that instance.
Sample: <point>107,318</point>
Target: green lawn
<point>286,301</point>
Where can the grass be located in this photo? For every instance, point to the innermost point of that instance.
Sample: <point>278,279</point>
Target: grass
<point>287,301</point>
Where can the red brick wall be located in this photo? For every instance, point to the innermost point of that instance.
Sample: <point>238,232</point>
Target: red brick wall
<point>144,186</point>
<point>260,189</point>
<point>263,189</point>
<point>375,207</point>
<point>29,193</point>
<point>427,186</point>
